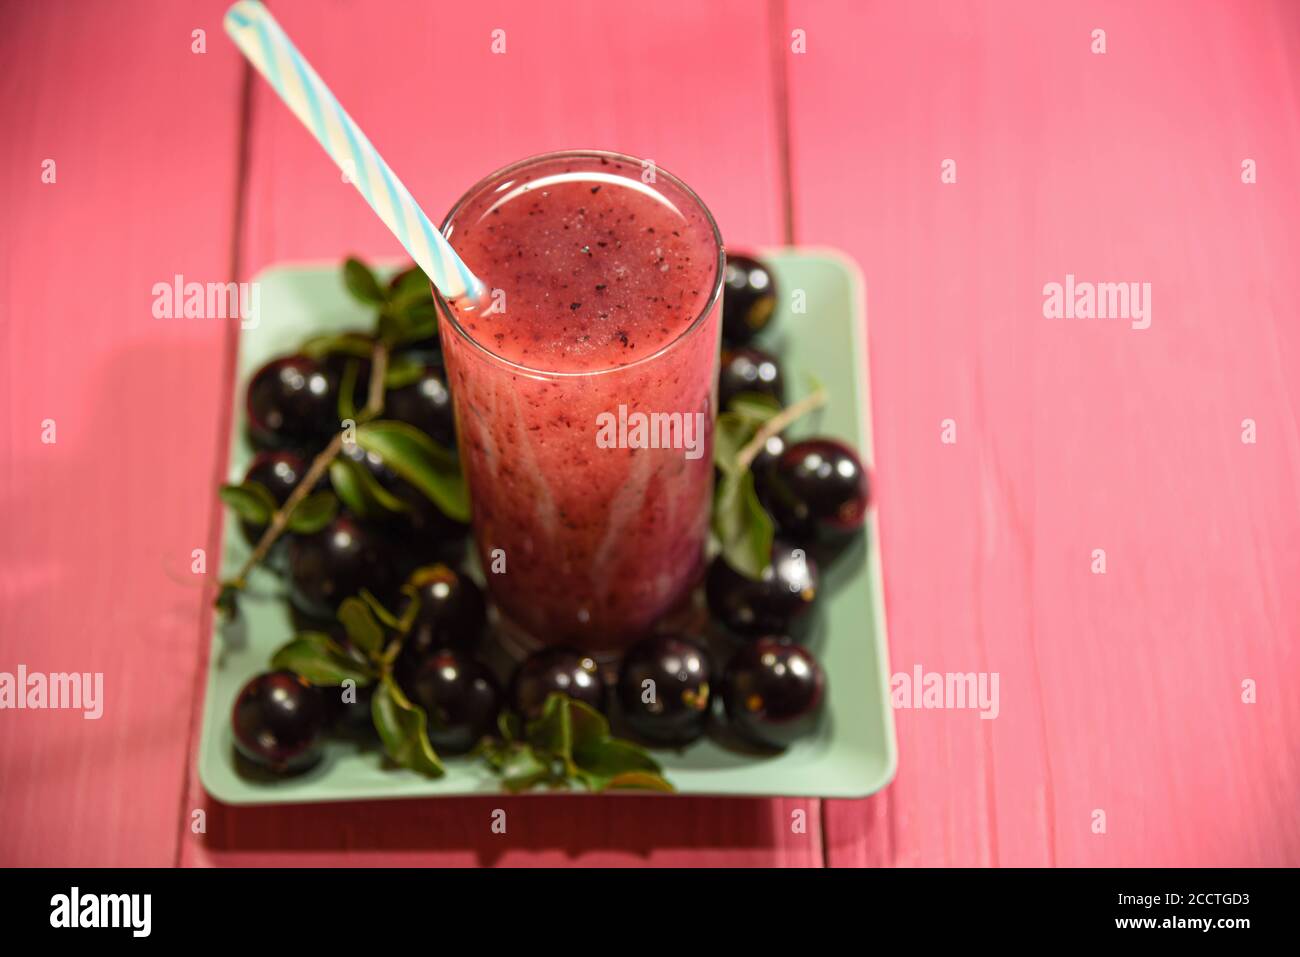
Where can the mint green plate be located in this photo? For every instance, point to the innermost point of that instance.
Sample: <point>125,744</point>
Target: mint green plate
<point>852,754</point>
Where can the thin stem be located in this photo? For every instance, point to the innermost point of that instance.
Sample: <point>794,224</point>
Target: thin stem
<point>319,465</point>
<point>281,517</point>
<point>776,424</point>
<point>378,370</point>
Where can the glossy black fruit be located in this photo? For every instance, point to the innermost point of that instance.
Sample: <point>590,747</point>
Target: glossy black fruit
<point>452,614</point>
<point>663,686</point>
<point>777,603</point>
<point>350,717</point>
<point>767,457</point>
<point>749,370</point>
<point>773,692</point>
<point>411,546</point>
<point>336,563</point>
<point>748,299</point>
<point>293,401</point>
<point>556,669</point>
<point>817,489</point>
<point>279,473</point>
<point>460,698</point>
<point>278,720</point>
<point>425,404</point>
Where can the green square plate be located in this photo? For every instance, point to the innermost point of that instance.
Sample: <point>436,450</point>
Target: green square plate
<point>853,752</point>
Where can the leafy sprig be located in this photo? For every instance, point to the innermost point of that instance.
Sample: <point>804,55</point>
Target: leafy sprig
<point>406,313</point>
<point>742,525</point>
<point>375,635</point>
<point>569,744</point>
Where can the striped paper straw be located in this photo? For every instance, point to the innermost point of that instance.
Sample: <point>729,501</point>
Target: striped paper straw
<point>260,39</point>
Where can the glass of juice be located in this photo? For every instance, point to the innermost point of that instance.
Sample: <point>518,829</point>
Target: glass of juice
<point>584,391</point>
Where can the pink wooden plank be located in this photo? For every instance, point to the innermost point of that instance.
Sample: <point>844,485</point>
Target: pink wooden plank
<point>99,526</point>
<point>646,82</point>
<point>1119,692</point>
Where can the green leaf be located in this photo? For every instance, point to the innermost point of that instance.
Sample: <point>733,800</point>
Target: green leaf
<point>361,282</point>
<point>411,284</point>
<point>347,484</point>
<point>227,601</point>
<point>599,759</point>
<point>412,609</point>
<point>589,728</point>
<point>359,345</point>
<point>314,512</point>
<point>403,371</point>
<point>321,660</point>
<point>410,324</point>
<point>410,313</point>
<point>402,727</point>
<point>640,781</point>
<point>742,525</point>
<point>421,320</point>
<point>510,726</point>
<point>418,459</point>
<point>378,609</point>
<point>731,434</point>
<point>569,742</point>
<point>347,401</point>
<point>360,491</point>
<point>251,501</point>
<point>521,768</point>
<point>754,407</point>
<point>603,762</point>
<point>392,330</point>
<point>360,624</point>
<point>552,731</point>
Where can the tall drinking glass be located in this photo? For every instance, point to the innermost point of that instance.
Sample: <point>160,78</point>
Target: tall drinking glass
<point>585,391</point>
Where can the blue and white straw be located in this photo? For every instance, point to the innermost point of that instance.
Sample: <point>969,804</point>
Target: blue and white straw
<point>260,39</point>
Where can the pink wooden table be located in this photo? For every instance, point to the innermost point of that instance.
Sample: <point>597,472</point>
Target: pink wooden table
<point>1120,693</point>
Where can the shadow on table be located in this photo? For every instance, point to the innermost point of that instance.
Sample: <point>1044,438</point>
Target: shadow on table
<point>540,829</point>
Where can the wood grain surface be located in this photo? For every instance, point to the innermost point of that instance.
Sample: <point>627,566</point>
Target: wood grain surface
<point>1120,693</point>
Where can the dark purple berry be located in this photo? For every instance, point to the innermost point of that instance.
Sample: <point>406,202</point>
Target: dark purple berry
<point>747,370</point>
<point>663,686</point>
<point>556,669</point>
<point>817,489</point>
<point>277,472</point>
<point>278,720</point>
<point>348,708</point>
<point>452,614</point>
<point>336,563</point>
<point>425,404</point>
<point>292,401</point>
<point>773,692</point>
<point>460,698</point>
<point>768,455</point>
<point>748,299</point>
<point>778,602</point>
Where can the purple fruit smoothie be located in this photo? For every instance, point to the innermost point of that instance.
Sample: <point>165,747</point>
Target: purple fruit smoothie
<point>607,304</point>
